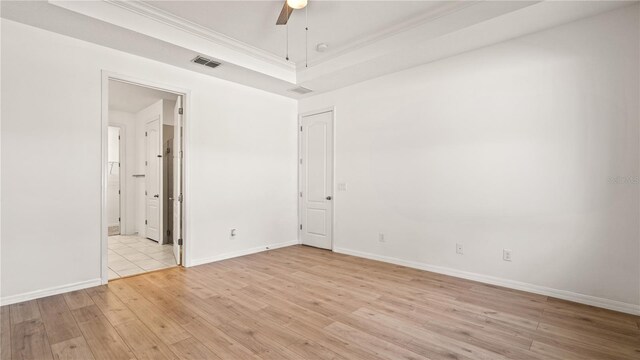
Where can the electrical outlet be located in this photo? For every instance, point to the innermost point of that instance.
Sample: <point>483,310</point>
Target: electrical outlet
<point>381,237</point>
<point>342,186</point>
<point>459,249</point>
<point>506,254</point>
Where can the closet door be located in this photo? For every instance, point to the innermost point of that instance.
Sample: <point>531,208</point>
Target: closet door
<point>153,178</point>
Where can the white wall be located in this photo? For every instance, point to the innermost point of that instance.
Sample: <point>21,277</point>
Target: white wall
<point>517,146</point>
<point>242,153</point>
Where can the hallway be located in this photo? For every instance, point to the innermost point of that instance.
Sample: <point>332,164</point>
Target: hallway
<point>130,255</point>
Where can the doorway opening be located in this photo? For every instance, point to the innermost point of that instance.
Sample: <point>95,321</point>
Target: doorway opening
<point>144,207</point>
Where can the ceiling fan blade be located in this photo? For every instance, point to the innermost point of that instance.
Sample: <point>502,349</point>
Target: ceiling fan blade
<point>285,13</point>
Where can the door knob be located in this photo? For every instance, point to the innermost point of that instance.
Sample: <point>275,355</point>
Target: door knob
<point>156,195</point>
<point>328,197</point>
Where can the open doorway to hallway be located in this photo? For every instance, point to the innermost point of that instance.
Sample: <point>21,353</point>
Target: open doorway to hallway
<point>144,179</point>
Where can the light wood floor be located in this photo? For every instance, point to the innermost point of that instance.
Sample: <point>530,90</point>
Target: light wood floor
<point>305,303</point>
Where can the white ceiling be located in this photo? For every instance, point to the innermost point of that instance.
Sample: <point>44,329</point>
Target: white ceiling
<point>340,24</point>
<point>133,98</point>
<point>367,39</point>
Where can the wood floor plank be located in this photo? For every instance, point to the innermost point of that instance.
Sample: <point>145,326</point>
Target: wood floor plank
<point>373,344</point>
<point>310,350</point>
<point>171,305</point>
<point>24,311</point>
<point>5,333</point>
<point>152,316</point>
<point>477,343</point>
<point>582,346</point>
<point>219,342</point>
<point>72,349</point>
<point>259,340</point>
<point>588,310</point>
<point>343,347</point>
<point>453,324</point>
<point>58,320</point>
<point>144,343</point>
<point>192,349</point>
<point>102,338</point>
<point>619,344</point>
<point>77,299</point>
<point>570,323</point>
<point>29,341</point>
<point>283,311</point>
<point>87,313</point>
<point>110,305</point>
<point>464,312</point>
<point>555,353</point>
<point>305,303</point>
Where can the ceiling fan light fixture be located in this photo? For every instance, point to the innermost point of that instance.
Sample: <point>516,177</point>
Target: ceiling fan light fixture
<point>297,4</point>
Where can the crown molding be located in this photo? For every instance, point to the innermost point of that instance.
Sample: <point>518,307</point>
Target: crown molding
<point>167,18</point>
<point>445,9</point>
<point>153,13</point>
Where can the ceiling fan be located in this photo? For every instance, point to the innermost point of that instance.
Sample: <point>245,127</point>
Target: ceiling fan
<point>287,9</point>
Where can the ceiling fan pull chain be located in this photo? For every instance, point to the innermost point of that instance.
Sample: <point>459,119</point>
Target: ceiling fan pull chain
<point>287,30</point>
<point>306,37</point>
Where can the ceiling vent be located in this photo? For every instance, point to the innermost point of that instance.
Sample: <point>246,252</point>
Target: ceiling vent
<point>301,90</point>
<point>206,62</point>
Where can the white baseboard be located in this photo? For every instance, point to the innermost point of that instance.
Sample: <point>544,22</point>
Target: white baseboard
<point>234,254</point>
<point>12,299</point>
<point>560,294</point>
<point>517,285</point>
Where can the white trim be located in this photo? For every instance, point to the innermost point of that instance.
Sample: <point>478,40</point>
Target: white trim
<point>13,299</point>
<point>104,224</point>
<point>170,19</point>
<point>450,8</point>
<point>186,104</point>
<point>239,253</point>
<point>186,177</point>
<point>512,284</point>
<point>331,109</point>
<point>164,17</point>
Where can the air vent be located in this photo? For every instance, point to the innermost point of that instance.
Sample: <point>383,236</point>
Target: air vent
<point>206,62</point>
<point>301,90</point>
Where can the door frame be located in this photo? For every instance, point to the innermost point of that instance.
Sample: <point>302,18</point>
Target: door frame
<point>331,109</point>
<point>186,104</point>
<point>122,142</point>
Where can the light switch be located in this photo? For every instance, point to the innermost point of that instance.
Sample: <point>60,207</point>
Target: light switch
<point>342,186</point>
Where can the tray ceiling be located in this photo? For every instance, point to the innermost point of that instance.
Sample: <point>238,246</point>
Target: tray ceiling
<point>340,24</point>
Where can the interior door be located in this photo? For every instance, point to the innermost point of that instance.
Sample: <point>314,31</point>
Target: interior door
<point>177,182</point>
<point>167,185</point>
<point>153,178</point>
<point>316,180</point>
<point>113,181</point>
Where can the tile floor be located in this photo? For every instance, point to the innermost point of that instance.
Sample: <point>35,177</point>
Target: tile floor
<point>132,254</point>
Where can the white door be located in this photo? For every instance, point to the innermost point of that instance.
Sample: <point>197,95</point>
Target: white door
<point>316,180</point>
<point>177,181</point>
<point>113,180</point>
<point>153,178</point>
